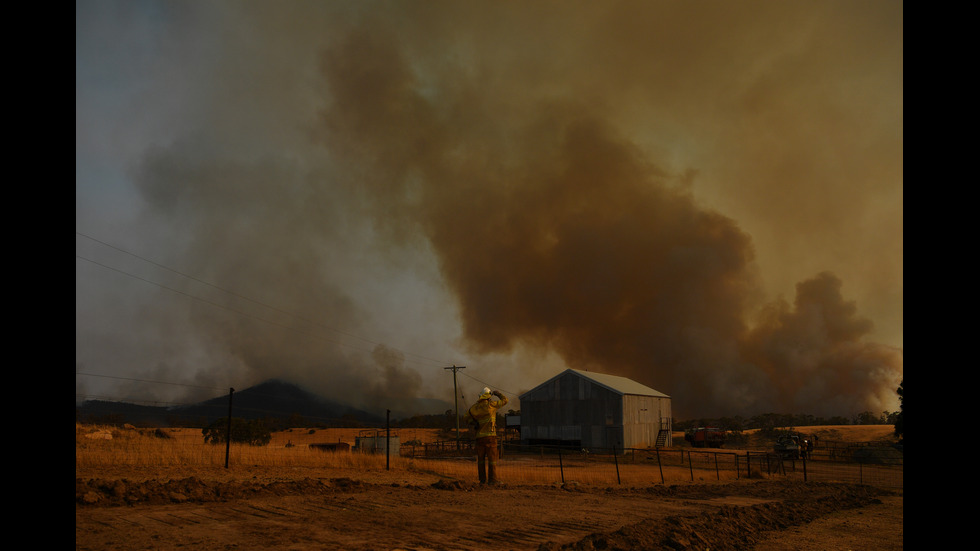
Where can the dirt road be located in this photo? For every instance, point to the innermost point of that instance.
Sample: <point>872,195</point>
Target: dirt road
<point>342,513</point>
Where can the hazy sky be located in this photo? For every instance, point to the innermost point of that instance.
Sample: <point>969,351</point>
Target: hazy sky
<point>706,197</point>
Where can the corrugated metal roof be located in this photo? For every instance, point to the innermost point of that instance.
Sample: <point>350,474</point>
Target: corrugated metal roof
<point>619,385</point>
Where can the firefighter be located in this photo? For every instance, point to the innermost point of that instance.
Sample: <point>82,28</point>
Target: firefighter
<point>484,415</point>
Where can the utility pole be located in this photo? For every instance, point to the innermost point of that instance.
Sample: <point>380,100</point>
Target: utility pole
<point>231,393</point>
<point>456,400</point>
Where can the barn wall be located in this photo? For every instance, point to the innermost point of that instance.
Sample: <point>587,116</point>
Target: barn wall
<point>573,409</point>
<point>644,416</point>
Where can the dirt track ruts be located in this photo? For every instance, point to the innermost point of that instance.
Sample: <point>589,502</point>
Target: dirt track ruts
<point>348,514</point>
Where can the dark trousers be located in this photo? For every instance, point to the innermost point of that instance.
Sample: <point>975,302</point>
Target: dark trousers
<point>486,459</point>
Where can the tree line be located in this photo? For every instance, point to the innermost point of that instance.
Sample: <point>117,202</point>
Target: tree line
<point>447,421</point>
<point>770,421</point>
<point>258,432</point>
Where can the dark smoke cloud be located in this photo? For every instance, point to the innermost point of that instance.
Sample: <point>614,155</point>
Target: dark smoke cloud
<point>814,355</point>
<point>608,186</point>
<point>554,231</point>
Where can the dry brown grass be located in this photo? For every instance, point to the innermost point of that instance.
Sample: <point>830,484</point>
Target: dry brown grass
<point>142,453</point>
<point>149,453</point>
<point>101,446</point>
<point>852,433</point>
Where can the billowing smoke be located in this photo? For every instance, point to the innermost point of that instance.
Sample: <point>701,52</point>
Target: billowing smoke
<point>522,188</point>
<point>554,231</point>
<point>814,355</point>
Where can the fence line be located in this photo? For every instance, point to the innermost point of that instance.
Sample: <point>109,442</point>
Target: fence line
<point>662,465</point>
<point>519,464</point>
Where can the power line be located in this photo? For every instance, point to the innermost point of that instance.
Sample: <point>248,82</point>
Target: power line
<point>145,380</point>
<point>222,306</point>
<point>455,399</point>
<point>213,286</point>
<point>484,383</point>
<point>237,295</point>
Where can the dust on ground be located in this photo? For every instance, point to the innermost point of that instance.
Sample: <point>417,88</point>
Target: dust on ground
<point>416,511</point>
<point>126,506</point>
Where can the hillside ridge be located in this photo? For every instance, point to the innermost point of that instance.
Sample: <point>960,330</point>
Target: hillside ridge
<point>273,398</point>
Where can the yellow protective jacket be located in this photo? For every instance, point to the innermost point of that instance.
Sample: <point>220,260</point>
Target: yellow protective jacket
<point>484,412</point>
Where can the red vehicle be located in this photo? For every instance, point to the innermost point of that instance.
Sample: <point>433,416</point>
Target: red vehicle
<point>706,437</point>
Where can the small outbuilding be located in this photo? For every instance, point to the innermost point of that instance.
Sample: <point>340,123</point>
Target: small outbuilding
<point>377,443</point>
<point>584,409</point>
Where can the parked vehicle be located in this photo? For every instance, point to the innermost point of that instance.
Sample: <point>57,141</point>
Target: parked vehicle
<point>788,447</point>
<point>706,437</point>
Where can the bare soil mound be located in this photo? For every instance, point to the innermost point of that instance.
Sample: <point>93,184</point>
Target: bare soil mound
<point>732,527</point>
<point>120,492</point>
<point>732,516</point>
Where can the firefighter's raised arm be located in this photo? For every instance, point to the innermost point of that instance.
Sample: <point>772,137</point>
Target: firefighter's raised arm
<point>502,400</point>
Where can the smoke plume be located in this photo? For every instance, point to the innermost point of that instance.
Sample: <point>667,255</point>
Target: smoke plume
<point>611,187</point>
<point>554,231</point>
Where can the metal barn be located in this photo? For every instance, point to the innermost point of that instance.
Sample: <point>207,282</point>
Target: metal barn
<point>584,409</point>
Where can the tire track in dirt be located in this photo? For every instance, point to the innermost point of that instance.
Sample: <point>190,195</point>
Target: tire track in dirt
<point>457,516</point>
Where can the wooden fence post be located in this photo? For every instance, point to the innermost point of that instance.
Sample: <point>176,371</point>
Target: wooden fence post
<point>616,460</point>
<point>660,465</point>
<point>561,467</point>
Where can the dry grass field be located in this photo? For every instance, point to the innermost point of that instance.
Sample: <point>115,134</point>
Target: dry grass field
<point>168,487</point>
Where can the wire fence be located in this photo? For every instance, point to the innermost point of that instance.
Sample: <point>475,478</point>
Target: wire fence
<point>373,449</point>
<point>634,467</point>
<point>456,459</point>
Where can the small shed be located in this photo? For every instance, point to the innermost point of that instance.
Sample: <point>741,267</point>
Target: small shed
<point>512,427</point>
<point>585,409</point>
<point>331,446</point>
<point>377,443</point>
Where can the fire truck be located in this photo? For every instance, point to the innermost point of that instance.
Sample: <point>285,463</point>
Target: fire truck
<point>705,437</point>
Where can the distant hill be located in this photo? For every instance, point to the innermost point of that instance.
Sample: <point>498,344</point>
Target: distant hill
<point>278,399</point>
<point>272,399</point>
<point>117,413</point>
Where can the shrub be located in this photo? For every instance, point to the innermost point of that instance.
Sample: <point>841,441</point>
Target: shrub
<point>252,432</point>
